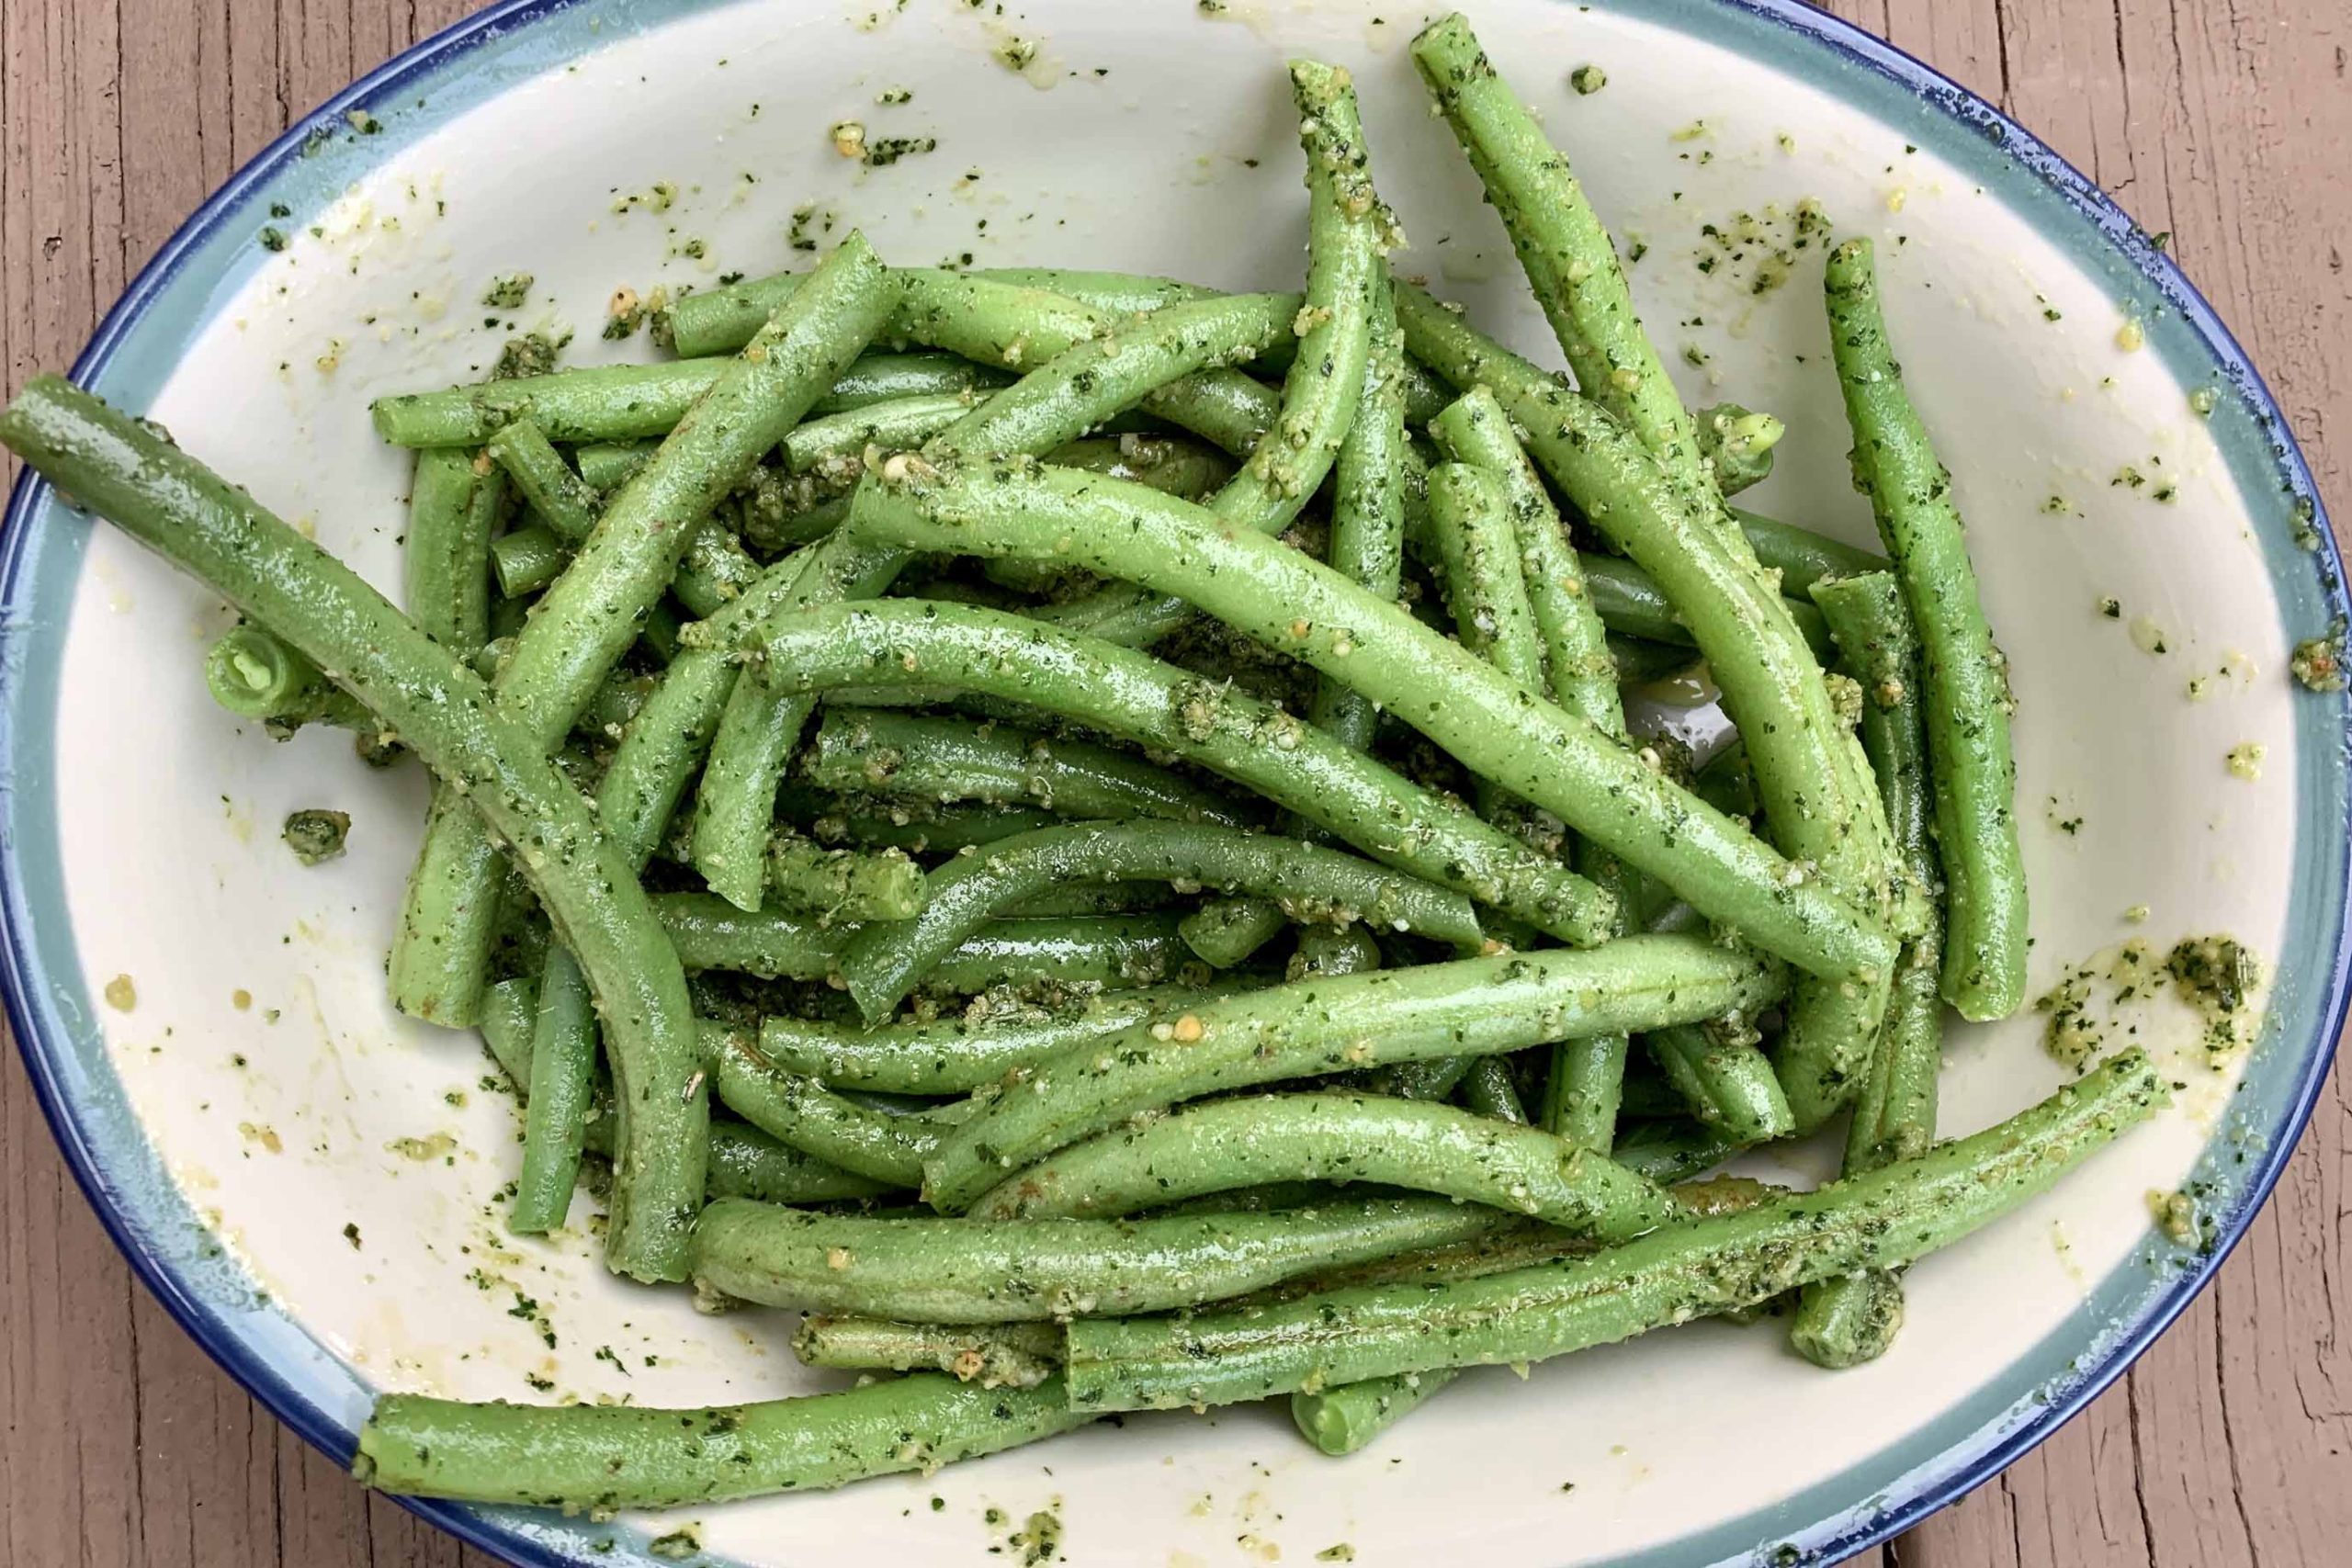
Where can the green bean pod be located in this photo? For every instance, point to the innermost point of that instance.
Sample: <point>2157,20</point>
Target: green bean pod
<point>1003,1354</point>
<point>1726,1083</point>
<point>802,1113</point>
<point>1414,1144</point>
<point>929,1270</point>
<point>843,885</point>
<point>1343,1420</point>
<point>1964,676</point>
<point>444,712</point>
<point>1368,506</point>
<point>1685,1270</point>
<point>1469,1007</point>
<point>606,1457</point>
<point>1228,931</point>
<point>554,1126</point>
<point>885,961</point>
<point>258,675</point>
<point>946,758</point>
<point>444,554</point>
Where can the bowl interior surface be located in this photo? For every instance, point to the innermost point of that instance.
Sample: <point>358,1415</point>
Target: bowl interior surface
<point>313,1180</point>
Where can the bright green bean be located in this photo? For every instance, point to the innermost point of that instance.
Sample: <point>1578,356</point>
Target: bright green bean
<point>258,675</point>
<point>843,885</point>
<point>885,961</point>
<point>1251,1139</point>
<point>1964,676</point>
<point>931,1270</point>
<point>1343,1420</point>
<point>1483,584</point>
<point>949,759</point>
<point>1347,234</point>
<point>1005,1355</point>
<point>1140,700</point>
<point>1737,445</point>
<point>563,1069</point>
<point>1470,1007</point>
<point>804,1114</point>
<point>916,826</point>
<point>1628,602</point>
<point>527,559</point>
<point>444,712</point>
<point>1801,556</point>
<point>445,558</point>
<point>1507,733</point>
<point>1684,1270</point>
<point>566,503</point>
<point>608,465</point>
<point>1727,1082</point>
<point>606,1457</point>
<point>1368,506</point>
<point>1225,932</point>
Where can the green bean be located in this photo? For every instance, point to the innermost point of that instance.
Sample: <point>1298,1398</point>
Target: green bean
<point>1506,732</point>
<point>1848,1321</point>
<point>510,1017</point>
<point>564,1064</point>
<point>608,465</point>
<point>1640,663</point>
<point>1140,700</point>
<point>1737,445</point>
<point>566,503</point>
<point>874,378</point>
<point>721,321</point>
<point>804,1114</point>
<point>932,1269</point>
<point>1561,245</point>
<point>1332,950</point>
<point>1368,506</point>
<point>952,759</point>
<point>1684,1270</point>
<point>838,442</point>
<point>1965,678</point>
<point>1725,782</point>
<point>1097,899</point>
<point>527,559</point>
<point>1005,1355</point>
<point>1487,1089</point>
<point>1673,1150</point>
<point>1347,236</point>
<point>1343,1420</point>
<point>256,675</point>
<point>445,560</point>
<point>1801,556</point>
<point>1110,367</point>
<point>963,1053</point>
<point>606,1457</point>
<point>591,614</point>
<point>1415,1144</point>
<point>1726,1081</point>
<point>660,635</point>
<point>916,826</point>
<point>1629,602</point>
<point>843,885</point>
<point>1169,464</point>
<point>710,933</point>
<point>1467,1008</point>
<point>1225,932</point>
<point>885,961</point>
<point>1818,803</point>
<point>1484,586</point>
<point>442,712</point>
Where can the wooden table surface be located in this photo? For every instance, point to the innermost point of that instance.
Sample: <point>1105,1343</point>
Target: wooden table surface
<point>2228,122</point>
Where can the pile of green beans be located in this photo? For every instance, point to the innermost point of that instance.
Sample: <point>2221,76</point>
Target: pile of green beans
<point>1219,938</point>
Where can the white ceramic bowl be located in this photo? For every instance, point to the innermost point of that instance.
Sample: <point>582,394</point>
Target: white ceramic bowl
<point>261,1163</point>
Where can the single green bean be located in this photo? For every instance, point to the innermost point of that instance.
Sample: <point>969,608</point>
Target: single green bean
<point>1737,445</point>
<point>445,713</point>
<point>1347,236</point>
<point>1507,732</point>
<point>445,560</point>
<point>510,1017</point>
<point>835,445</point>
<point>1471,526</point>
<point>563,1070</point>
<point>1641,662</point>
<point>527,559</point>
<point>1682,1271</point>
<point>932,1269</point>
<point>804,1114</point>
<point>1724,781</point>
<point>592,613</point>
<point>1726,1081</point>
<point>962,1052</point>
<point>916,826</point>
<point>946,758</point>
<point>1140,700</point>
<point>608,465</point>
<point>566,503</point>
<point>606,1457</point>
<point>1673,1150</point>
<point>885,961</point>
<point>1005,1355</point>
<point>1467,1008</point>
<point>1332,950</point>
<point>1487,1089</point>
<point>1343,1420</point>
<point>1629,601</point>
<point>843,885</point>
<point>258,675</point>
<point>1801,556</point>
<point>874,378</point>
<point>1368,506</point>
<point>1338,1137</point>
<point>1225,932</point>
<point>1964,676</point>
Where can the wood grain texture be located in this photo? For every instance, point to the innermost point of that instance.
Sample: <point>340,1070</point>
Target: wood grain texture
<point>2226,122</point>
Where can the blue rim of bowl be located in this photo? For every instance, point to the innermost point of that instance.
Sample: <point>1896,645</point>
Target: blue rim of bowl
<point>1824,1524</point>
